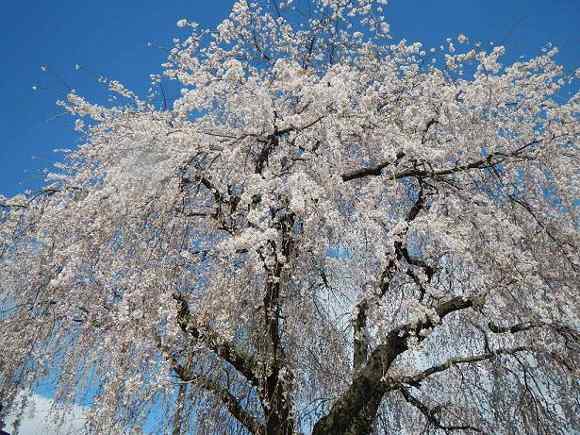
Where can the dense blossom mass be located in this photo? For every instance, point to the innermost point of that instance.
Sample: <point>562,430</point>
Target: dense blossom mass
<point>327,232</point>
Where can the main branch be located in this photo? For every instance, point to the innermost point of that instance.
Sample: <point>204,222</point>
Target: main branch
<point>355,410</point>
<point>242,362</point>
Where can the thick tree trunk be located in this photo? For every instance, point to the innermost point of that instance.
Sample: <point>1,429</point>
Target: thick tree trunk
<point>279,425</point>
<point>355,412</point>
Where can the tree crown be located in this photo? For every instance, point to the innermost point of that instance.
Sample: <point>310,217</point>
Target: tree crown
<point>326,231</point>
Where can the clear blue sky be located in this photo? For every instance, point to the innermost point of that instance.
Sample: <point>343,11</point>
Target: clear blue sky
<point>110,38</point>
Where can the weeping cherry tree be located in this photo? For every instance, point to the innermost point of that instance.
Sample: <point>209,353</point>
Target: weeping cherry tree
<point>327,232</point>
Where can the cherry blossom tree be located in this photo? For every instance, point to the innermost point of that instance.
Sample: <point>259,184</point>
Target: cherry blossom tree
<point>328,232</point>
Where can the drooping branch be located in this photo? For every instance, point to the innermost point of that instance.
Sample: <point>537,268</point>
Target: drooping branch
<point>242,362</point>
<point>490,161</point>
<point>431,414</point>
<point>229,400</point>
<point>570,335</point>
<point>226,397</point>
<point>234,406</point>
<point>525,326</point>
<point>416,380</point>
<point>12,205</point>
<point>46,192</point>
<point>373,170</point>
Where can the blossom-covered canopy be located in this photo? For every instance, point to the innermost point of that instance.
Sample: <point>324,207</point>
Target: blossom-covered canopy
<point>327,231</point>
